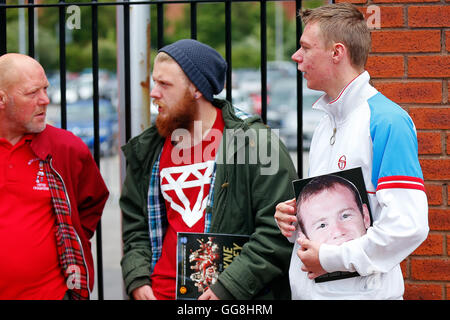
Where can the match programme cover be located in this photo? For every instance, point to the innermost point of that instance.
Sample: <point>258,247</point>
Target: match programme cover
<point>201,257</point>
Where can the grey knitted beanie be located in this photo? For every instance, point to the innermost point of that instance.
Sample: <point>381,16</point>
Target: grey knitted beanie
<point>203,65</point>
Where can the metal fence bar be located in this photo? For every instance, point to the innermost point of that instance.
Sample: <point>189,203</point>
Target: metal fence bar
<point>263,22</point>
<point>298,34</point>
<point>3,35</point>
<point>160,17</point>
<point>95,95</point>
<point>127,93</point>
<point>31,29</point>
<point>62,63</point>
<point>96,117</point>
<point>95,90</point>
<point>228,45</point>
<point>194,20</point>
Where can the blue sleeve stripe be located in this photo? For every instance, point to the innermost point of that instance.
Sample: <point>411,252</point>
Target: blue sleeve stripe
<point>395,150</point>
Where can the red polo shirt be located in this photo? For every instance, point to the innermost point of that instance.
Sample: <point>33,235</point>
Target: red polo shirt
<point>29,265</point>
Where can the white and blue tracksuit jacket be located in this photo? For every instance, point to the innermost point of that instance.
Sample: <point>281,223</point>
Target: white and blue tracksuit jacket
<point>362,128</point>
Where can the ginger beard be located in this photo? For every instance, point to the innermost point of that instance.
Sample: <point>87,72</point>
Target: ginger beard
<point>179,116</point>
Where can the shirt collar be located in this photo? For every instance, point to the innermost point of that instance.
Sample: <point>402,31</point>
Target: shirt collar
<point>24,139</point>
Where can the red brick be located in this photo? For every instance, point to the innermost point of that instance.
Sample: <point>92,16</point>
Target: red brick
<point>428,16</point>
<point>434,194</point>
<point>390,17</point>
<point>430,118</point>
<point>448,250</point>
<point>447,40</point>
<point>429,66</point>
<point>402,1</point>
<point>448,143</point>
<point>351,1</point>
<point>436,169</point>
<point>386,66</point>
<point>405,269</point>
<point>433,245</point>
<point>411,92</point>
<point>422,291</point>
<point>430,269</point>
<point>429,142</point>
<point>406,41</point>
<point>448,195</point>
<point>439,219</point>
<point>448,93</point>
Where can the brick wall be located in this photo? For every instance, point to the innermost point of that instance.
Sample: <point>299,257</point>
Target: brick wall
<point>410,64</point>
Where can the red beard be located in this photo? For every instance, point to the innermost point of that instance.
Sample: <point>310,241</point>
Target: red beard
<point>181,116</point>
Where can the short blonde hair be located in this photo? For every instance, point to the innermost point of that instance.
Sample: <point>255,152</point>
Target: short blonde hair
<point>344,23</point>
<point>164,57</point>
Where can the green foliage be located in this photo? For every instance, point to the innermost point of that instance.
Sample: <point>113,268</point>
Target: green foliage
<point>245,33</point>
<point>78,41</point>
<point>47,49</point>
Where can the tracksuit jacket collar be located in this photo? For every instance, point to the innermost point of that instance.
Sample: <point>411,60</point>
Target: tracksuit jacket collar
<point>346,102</point>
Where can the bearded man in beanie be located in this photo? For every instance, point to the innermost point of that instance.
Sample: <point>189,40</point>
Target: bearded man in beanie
<point>204,167</point>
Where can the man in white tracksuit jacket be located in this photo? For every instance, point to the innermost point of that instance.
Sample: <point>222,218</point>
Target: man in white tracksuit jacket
<point>361,128</point>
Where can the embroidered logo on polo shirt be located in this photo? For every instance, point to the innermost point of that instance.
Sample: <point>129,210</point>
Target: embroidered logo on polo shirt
<point>41,183</point>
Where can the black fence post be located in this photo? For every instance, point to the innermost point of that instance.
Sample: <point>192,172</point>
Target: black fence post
<point>127,93</point>
<point>31,29</point>
<point>194,20</point>
<point>298,27</point>
<point>95,95</point>
<point>160,15</point>
<point>263,24</point>
<point>3,23</point>
<point>62,63</point>
<point>96,111</point>
<point>228,51</point>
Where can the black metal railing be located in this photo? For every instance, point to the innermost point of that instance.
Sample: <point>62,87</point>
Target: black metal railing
<point>62,5</point>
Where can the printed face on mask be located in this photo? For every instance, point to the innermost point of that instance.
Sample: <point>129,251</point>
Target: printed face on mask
<point>332,216</point>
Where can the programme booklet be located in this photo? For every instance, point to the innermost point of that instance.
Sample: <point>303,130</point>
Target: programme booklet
<point>201,257</point>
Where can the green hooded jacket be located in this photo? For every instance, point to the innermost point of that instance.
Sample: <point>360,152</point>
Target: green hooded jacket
<point>250,181</point>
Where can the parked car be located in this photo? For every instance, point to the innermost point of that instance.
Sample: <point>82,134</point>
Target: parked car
<point>54,92</point>
<point>80,121</point>
<point>283,101</point>
<point>240,99</point>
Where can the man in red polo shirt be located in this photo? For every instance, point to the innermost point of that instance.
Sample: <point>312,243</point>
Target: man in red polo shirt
<point>47,215</point>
